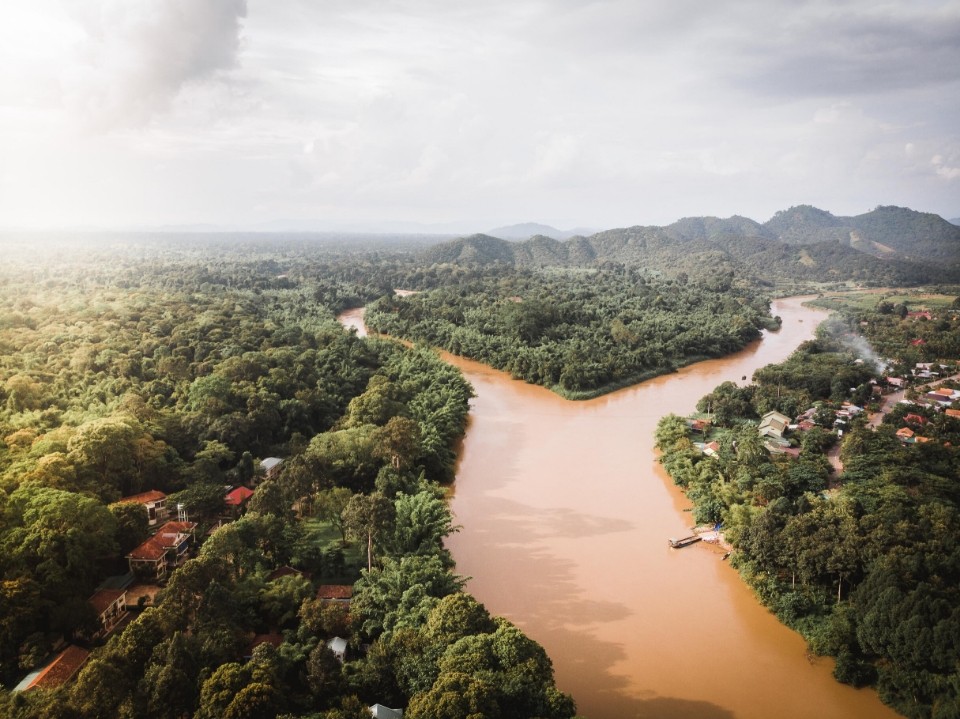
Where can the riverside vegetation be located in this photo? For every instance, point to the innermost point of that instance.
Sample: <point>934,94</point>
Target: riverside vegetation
<point>866,565</point>
<point>162,362</point>
<point>172,367</point>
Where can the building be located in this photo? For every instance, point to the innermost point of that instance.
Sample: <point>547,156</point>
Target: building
<point>154,501</point>
<point>111,607</point>
<point>338,645</point>
<point>342,593</point>
<point>270,467</point>
<point>57,672</point>
<point>237,498</point>
<point>773,424</point>
<point>379,711</point>
<point>164,551</point>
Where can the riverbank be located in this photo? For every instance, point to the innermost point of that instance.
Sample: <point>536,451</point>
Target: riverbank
<point>564,513</point>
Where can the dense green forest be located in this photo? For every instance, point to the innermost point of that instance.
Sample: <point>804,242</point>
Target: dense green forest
<point>579,332</point>
<point>865,564</point>
<point>175,364</point>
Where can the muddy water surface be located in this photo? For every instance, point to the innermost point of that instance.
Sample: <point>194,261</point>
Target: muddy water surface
<point>565,517</point>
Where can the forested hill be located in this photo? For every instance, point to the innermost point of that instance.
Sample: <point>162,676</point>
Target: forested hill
<point>889,245</point>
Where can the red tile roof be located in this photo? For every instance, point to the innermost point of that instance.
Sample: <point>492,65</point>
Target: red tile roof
<point>238,496</point>
<point>335,591</point>
<point>153,495</point>
<point>61,669</point>
<point>169,535</point>
<point>104,598</point>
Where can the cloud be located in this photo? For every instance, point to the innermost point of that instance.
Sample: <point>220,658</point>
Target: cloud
<point>848,49</point>
<point>136,57</point>
<point>947,172</point>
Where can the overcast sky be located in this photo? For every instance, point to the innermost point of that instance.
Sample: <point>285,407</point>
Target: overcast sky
<point>118,113</point>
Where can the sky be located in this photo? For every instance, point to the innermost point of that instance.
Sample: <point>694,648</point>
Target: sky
<point>393,114</point>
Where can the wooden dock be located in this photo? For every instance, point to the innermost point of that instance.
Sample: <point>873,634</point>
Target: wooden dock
<point>684,541</point>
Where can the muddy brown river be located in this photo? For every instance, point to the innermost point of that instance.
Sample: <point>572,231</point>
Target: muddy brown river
<point>565,516</point>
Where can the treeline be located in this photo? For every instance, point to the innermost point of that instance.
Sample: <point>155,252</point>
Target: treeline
<point>578,332</point>
<point>865,565</point>
<point>175,369</point>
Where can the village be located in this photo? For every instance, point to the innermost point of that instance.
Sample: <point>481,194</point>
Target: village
<point>912,401</point>
<point>173,540</point>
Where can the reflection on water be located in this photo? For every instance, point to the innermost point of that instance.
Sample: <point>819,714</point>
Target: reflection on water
<point>565,517</point>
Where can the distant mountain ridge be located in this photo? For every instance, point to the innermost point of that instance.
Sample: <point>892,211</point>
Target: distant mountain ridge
<point>527,230</point>
<point>887,245</point>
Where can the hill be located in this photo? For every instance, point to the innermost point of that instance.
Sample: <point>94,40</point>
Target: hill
<point>889,245</point>
<point>526,230</point>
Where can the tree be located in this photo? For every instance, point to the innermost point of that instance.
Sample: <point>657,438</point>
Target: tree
<point>170,681</point>
<point>330,504</point>
<point>58,538</point>
<point>132,525</point>
<point>324,674</point>
<point>401,593</point>
<point>280,600</point>
<point>421,523</point>
<point>367,516</point>
<point>398,441</point>
<point>269,498</point>
<point>105,448</point>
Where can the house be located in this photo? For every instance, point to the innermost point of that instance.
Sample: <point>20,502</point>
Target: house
<point>338,645</point>
<point>235,499</point>
<point>806,425</point>
<point>940,398</point>
<point>153,501</point>
<point>379,711</point>
<point>773,424</point>
<point>342,593</point>
<point>57,672</point>
<point>905,434</point>
<point>915,419</point>
<point>921,315</point>
<point>953,413</point>
<point>918,342</point>
<point>711,449</point>
<point>699,425</point>
<point>896,381</point>
<point>111,607</point>
<point>270,467</point>
<point>164,551</point>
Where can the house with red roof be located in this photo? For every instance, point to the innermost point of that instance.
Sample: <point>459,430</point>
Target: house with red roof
<point>236,499</point>
<point>57,672</point>
<point>155,503</point>
<point>164,551</point>
<point>111,607</point>
<point>335,592</point>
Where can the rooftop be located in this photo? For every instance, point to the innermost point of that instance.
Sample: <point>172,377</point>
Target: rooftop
<point>153,495</point>
<point>102,599</point>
